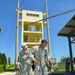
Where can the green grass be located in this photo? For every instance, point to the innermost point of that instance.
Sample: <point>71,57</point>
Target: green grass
<point>62,69</point>
<point>59,69</point>
<point>1,68</point>
<point>9,68</point>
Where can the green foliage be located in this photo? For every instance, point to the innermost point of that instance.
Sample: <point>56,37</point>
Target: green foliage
<point>8,68</point>
<point>3,59</point>
<point>1,68</point>
<point>8,60</point>
<point>0,58</point>
<point>18,58</point>
<point>63,59</point>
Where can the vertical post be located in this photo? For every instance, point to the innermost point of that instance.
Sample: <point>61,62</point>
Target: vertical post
<point>28,39</point>
<point>35,39</point>
<point>0,30</point>
<point>17,26</point>
<point>70,50</point>
<point>48,30</point>
<point>42,32</point>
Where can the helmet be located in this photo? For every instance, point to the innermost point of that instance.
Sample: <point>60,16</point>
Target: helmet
<point>24,46</point>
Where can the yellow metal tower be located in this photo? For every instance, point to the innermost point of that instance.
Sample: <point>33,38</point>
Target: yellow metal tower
<point>32,31</point>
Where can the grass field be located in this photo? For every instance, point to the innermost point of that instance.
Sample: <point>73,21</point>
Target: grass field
<point>8,68</point>
<point>1,68</point>
<point>12,66</point>
<point>59,69</point>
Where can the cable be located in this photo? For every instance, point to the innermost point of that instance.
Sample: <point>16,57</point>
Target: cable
<point>73,10</point>
<point>22,3</point>
<point>12,39</point>
<point>40,20</point>
<point>46,18</point>
<point>52,16</point>
<point>56,19</point>
<point>7,15</point>
<point>4,3</point>
<point>8,44</point>
<point>43,7</point>
<point>5,26</point>
<point>9,49</point>
<point>11,42</point>
<point>58,10</point>
<point>6,30</point>
<point>58,1</point>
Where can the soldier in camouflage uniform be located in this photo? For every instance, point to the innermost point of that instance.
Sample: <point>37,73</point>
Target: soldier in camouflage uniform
<point>41,54</point>
<point>26,59</point>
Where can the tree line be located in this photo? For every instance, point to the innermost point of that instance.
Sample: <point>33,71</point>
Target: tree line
<point>4,59</point>
<point>63,59</point>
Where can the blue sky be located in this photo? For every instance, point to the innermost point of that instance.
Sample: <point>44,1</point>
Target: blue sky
<point>59,45</point>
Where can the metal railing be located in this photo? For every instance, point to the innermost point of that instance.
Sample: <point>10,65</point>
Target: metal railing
<point>31,40</point>
<point>33,28</point>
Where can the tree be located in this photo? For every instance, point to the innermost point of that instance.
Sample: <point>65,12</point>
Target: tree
<point>63,59</point>
<point>0,58</point>
<point>4,59</point>
<point>18,58</point>
<point>9,60</point>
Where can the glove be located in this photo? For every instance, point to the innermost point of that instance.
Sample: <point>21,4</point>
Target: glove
<point>36,61</point>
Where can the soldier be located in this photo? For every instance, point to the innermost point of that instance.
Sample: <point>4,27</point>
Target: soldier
<point>17,67</point>
<point>67,66</point>
<point>41,54</point>
<point>4,67</point>
<point>26,59</point>
<point>49,66</point>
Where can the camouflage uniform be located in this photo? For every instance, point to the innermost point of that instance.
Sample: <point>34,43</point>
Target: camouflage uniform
<point>26,59</point>
<point>42,56</point>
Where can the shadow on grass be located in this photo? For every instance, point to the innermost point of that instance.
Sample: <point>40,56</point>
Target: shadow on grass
<point>10,70</point>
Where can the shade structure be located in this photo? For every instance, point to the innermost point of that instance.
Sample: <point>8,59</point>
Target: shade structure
<point>68,29</point>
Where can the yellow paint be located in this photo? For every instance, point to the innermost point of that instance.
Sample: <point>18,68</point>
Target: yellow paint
<point>32,31</point>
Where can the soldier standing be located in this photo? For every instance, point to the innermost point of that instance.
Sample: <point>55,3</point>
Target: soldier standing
<point>17,67</point>
<point>41,54</point>
<point>67,65</point>
<point>26,59</point>
<point>49,66</point>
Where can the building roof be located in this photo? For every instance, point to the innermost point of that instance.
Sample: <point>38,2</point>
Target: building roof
<point>68,29</point>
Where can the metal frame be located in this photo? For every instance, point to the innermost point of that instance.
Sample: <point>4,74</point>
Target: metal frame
<point>70,26</point>
<point>70,50</point>
<point>0,30</point>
